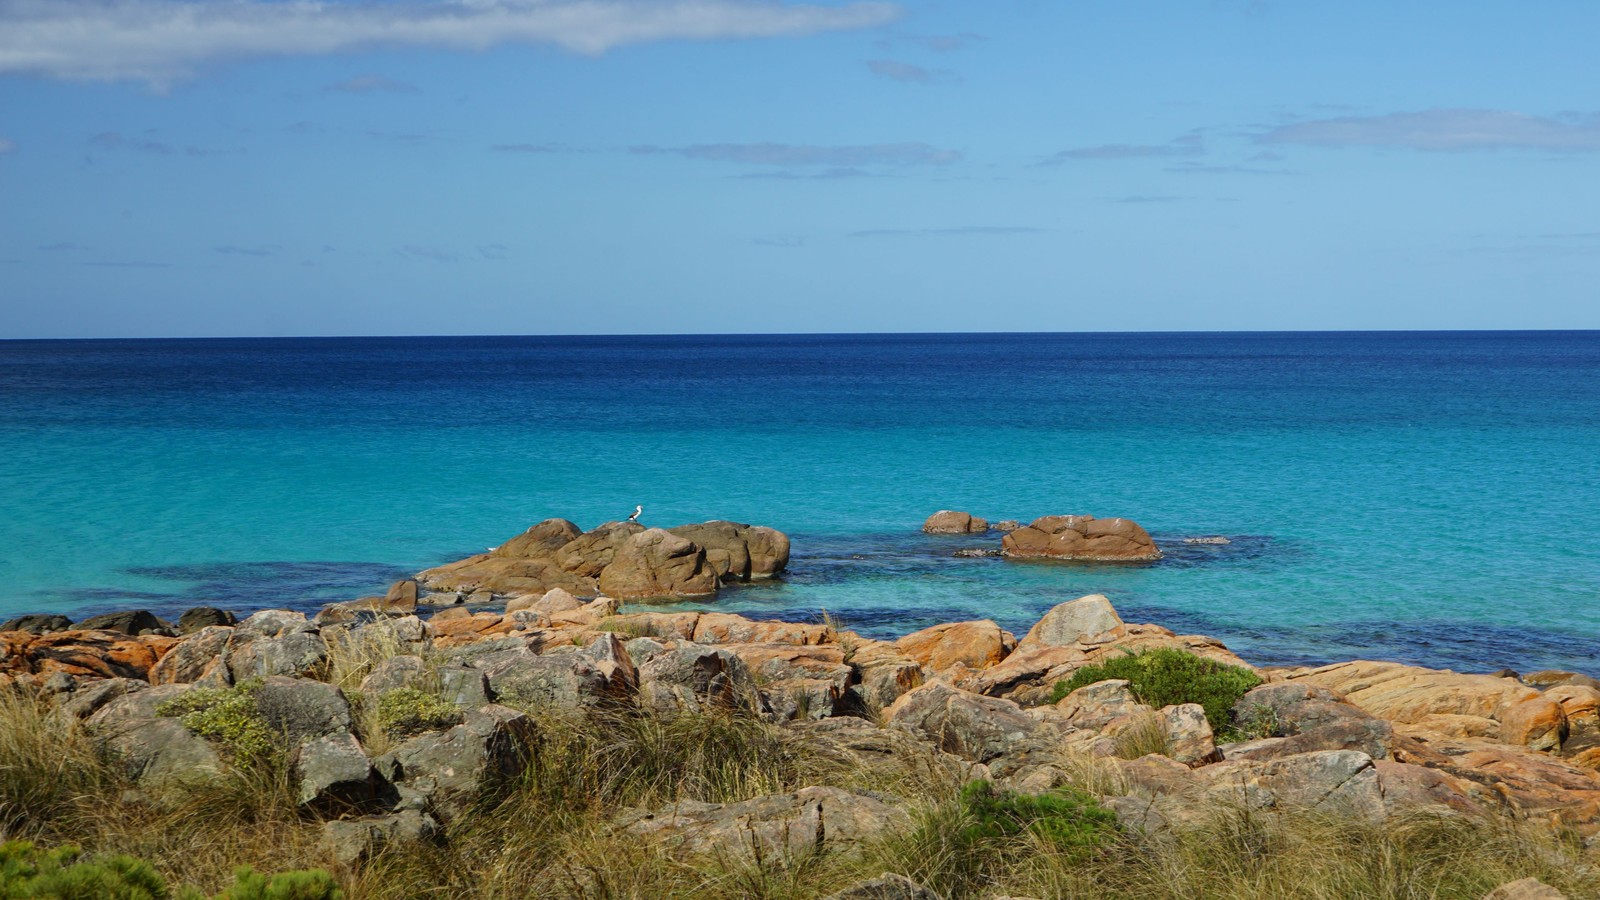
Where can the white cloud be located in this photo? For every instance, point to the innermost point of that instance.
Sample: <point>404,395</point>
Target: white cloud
<point>769,154</point>
<point>1447,130</point>
<point>160,41</point>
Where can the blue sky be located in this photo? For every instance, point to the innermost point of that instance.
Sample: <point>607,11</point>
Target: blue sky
<point>265,167</point>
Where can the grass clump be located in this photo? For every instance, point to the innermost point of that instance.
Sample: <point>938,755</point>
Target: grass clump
<point>407,711</point>
<point>229,717</point>
<point>1165,676</point>
<point>1064,818</point>
<point>47,761</point>
<point>64,874</point>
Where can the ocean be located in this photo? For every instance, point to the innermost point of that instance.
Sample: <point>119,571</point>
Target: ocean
<point>1432,498</point>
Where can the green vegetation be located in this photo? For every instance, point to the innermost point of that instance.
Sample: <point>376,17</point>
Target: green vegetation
<point>403,712</point>
<point>1165,676</point>
<point>229,717</point>
<point>64,874</point>
<point>1065,818</point>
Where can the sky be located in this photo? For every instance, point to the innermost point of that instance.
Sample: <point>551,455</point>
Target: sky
<point>288,167</point>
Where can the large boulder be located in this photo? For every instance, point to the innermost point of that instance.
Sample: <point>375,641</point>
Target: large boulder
<point>454,768</point>
<point>198,617</point>
<point>688,676</point>
<point>975,645</point>
<point>601,674</point>
<point>657,564</point>
<point>95,654</point>
<point>776,826</point>
<point>1080,538</point>
<point>543,539</point>
<point>1068,623</point>
<point>202,656</point>
<point>129,622</point>
<point>38,623</point>
<point>739,552</point>
<point>967,725</point>
<point>332,773</point>
<point>592,551</point>
<point>950,521</point>
<point>301,709</point>
<point>1286,708</point>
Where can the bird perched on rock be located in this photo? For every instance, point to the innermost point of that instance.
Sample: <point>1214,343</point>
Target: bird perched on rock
<point>636,511</point>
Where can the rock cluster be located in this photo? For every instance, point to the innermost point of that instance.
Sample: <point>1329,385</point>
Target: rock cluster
<point>625,560</point>
<point>1361,739</point>
<point>1081,537</point>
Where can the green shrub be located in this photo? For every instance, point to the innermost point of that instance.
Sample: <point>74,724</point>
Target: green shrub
<point>229,717</point>
<point>1064,818</point>
<point>26,871</point>
<point>406,711</point>
<point>1166,676</point>
<point>312,884</point>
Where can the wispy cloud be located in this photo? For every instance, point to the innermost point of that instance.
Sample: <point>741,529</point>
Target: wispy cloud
<point>146,143</point>
<point>528,148</point>
<point>7,146</point>
<point>1194,168</point>
<point>1186,145</point>
<point>894,70</point>
<point>160,41</point>
<point>766,154</point>
<point>371,84</point>
<point>235,250</point>
<point>1447,131</point>
<point>824,175</point>
<point>493,251</point>
<point>430,254</point>
<point>947,232</point>
<point>131,264</point>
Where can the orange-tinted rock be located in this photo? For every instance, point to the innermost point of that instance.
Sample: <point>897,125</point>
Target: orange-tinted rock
<point>1403,693</point>
<point>976,645</point>
<point>1082,538</point>
<point>463,629</point>
<point>1537,722</point>
<point>950,521</point>
<point>100,654</point>
<point>725,628</point>
<point>542,540</point>
<point>739,552</point>
<point>656,625</point>
<point>656,564</point>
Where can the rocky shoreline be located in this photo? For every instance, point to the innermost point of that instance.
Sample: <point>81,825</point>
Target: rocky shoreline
<point>1361,740</point>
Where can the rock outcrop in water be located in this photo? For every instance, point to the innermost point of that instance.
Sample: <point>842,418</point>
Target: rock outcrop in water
<point>623,559</point>
<point>1081,538</point>
<point>949,521</point>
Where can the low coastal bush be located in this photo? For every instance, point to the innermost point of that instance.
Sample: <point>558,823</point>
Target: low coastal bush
<point>405,711</point>
<point>229,717</point>
<point>65,874</point>
<point>1166,676</point>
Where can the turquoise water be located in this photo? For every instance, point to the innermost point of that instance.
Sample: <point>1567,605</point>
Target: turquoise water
<point>1430,497</point>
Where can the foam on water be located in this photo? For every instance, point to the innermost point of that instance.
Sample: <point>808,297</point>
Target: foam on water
<point>1427,497</point>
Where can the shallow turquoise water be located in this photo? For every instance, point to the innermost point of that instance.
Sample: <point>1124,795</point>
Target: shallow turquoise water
<point>1426,497</point>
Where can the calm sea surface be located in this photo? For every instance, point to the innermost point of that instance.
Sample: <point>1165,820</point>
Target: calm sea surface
<point>1427,497</point>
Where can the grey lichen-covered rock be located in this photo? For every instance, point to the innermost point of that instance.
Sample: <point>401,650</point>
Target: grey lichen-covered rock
<point>276,623</point>
<point>657,564</point>
<point>1336,781</point>
<point>463,686</point>
<point>547,604</point>
<point>395,672</point>
<point>293,653</point>
<point>887,886</point>
<point>350,841</point>
<point>200,657</point>
<point>301,709</point>
<point>1067,623</point>
<point>455,767</point>
<point>570,679</point>
<point>161,751</point>
<point>1188,734</point>
<point>691,676</point>
<point>775,826</point>
<point>1286,708</point>
<point>37,623</point>
<point>199,617</point>
<point>332,772</point>
<point>131,622</point>
<point>968,725</point>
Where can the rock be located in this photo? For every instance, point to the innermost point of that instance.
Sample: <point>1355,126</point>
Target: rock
<point>543,539</point>
<point>776,826</point>
<point>600,675</point>
<point>723,628</point>
<point>274,623</point>
<point>1285,708</point>
<point>1336,781</point>
<point>1542,679</point>
<point>693,676</point>
<point>968,725</point>
<point>1403,693</point>
<point>977,553</point>
<point>1189,738</point>
<point>885,673</point>
<point>160,751</point>
<point>94,654</point>
<point>739,552</point>
<point>448,599</point>
<point>1410,789</point>
<point>454,768</point>
<point>1006,526</point>
<point>887,886</point>
<point>463,686</point>
<point>394,673</point>
<point>656,564</point>
<point>547,604</point>
<point>202,656</point>
<point>1538,722</point>
<point>1081,538</point>
<point>976,645</point>
<point>1207,539</point>
<point>198,617</point>
<point>349,841</point>
<point>592,551</point>
<point>1067,623</point>
<point>301,709</point>
<point>1525,889</point>
<point>480,597</point>
<point>252,655</point>
<point>332,773</point>
<point>949,521</point>
<point>401,596</point>
<point>1096,705</point>
<point>1374,737</point>
<point>130,622</point>
<point>334,614</point>
<point>38,623</point>
<point>798,681</point>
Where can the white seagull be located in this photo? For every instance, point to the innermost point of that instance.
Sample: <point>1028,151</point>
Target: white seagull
<point>636,511</point>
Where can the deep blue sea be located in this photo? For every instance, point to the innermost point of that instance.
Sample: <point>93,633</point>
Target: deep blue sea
<point>1426,497</point>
